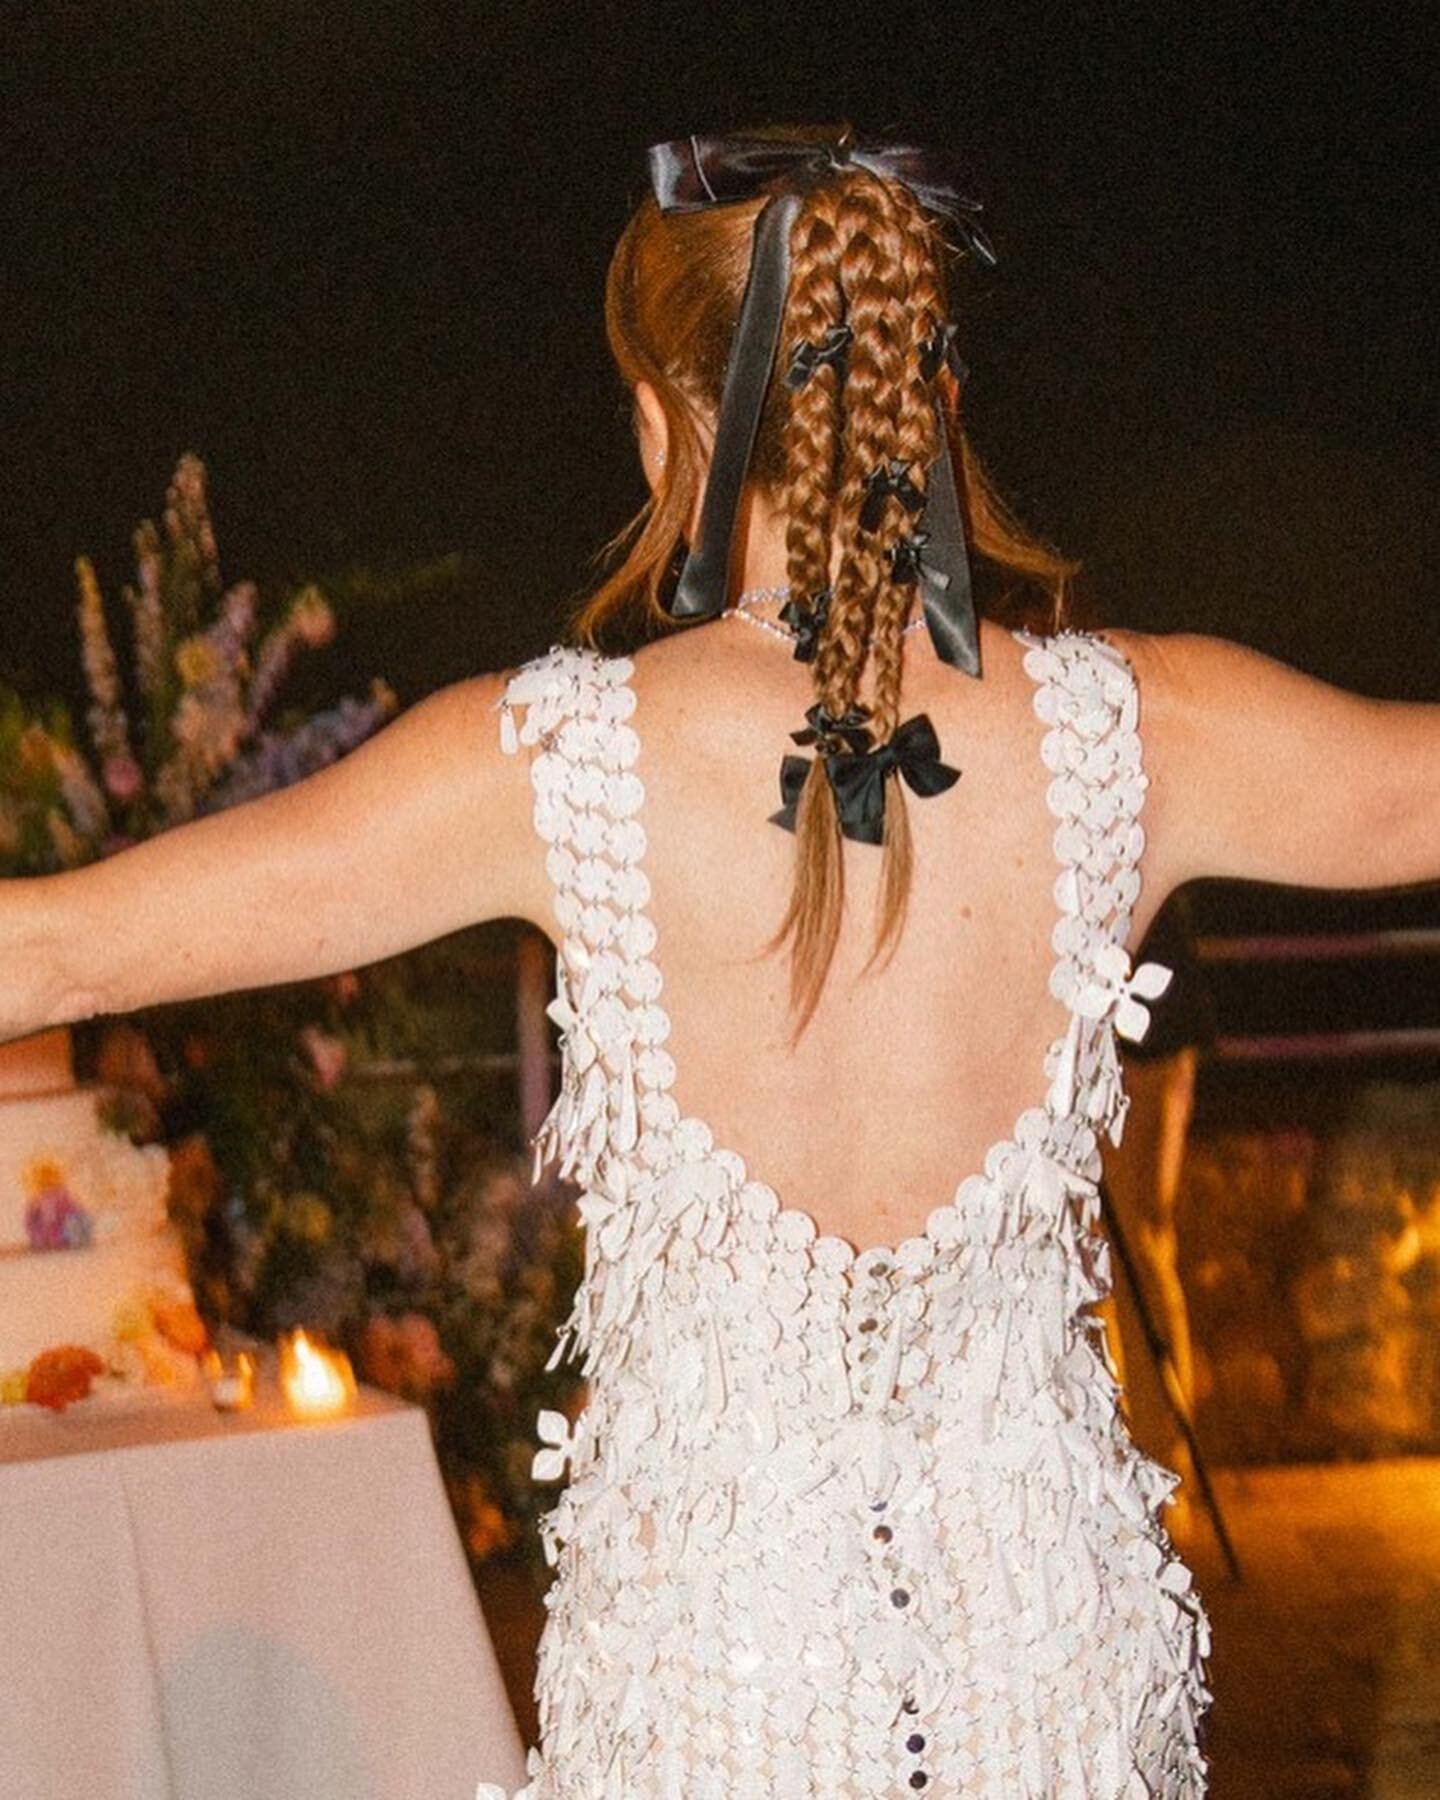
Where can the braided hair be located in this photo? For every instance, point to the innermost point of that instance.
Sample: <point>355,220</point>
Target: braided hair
<point>868,293</point>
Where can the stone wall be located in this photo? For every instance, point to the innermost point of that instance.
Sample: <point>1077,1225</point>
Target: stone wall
<point>1310,1257</point>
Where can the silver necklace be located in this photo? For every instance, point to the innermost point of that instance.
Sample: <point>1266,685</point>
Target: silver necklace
<point>752,597</point>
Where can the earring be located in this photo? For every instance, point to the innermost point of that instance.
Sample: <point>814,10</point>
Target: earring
<point>659,459</point>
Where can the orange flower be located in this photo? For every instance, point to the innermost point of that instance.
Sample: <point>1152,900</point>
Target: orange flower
<point>56,1377</point>
<point>485,1526</point>
<point>404,1355</point>
<point>42,1174</point>
<point>178,1321</point>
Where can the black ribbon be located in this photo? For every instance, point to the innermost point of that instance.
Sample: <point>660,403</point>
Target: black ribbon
<point>807,622</point>
<point>880,483</point>
<point>808,356</point>
<point>939,348</point>
<point>858,778</point>
<point>689,174</point>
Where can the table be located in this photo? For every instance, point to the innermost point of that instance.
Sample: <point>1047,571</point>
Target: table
<point>200,1606</point>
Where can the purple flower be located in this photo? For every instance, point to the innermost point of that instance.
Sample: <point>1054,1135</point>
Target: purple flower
<point>55,1221</point>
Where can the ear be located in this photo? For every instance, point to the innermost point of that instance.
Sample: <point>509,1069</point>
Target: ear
<point>652,432</point>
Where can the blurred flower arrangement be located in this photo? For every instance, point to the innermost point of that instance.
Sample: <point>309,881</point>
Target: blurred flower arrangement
<point>338,1158</point>
<point>338,1166</point>
<point>202,737</point>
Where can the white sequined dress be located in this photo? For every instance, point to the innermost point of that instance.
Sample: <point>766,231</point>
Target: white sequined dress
<point>840,1523</point>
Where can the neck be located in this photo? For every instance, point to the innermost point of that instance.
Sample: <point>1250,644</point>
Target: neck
<point>763,561</point>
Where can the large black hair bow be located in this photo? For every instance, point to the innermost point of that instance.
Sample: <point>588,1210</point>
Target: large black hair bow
<point>858,778</point>
<point>711,169</point>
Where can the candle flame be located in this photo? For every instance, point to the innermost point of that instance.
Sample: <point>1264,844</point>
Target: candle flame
<point>317,1382</point>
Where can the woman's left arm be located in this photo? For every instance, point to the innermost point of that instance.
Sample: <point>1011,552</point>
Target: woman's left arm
<point>1264,773</point>
<point>424,828</point>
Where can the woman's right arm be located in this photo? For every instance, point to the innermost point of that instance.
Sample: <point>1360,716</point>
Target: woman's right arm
<point>422,829</point>
<point>1262,773</point>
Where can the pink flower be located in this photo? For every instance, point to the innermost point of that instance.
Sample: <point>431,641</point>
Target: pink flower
<point>311,619</point>
<point>404,1355</point>
<point>327,1055</point>
<point>123,776</point>
<point>418,1258</point>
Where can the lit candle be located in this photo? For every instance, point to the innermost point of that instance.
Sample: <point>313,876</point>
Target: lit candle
<point>231,1379</point>
<point>317,1383</point>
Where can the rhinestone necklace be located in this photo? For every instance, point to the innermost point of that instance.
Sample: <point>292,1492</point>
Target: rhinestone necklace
<point>744,603</point>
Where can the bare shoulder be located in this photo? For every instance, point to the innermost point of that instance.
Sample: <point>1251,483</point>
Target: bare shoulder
<point>451,746</point>
<point>1263,772</point>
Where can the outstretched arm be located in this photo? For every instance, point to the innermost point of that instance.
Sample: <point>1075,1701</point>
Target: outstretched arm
<point>422,829</point>
<point>1265,774</point>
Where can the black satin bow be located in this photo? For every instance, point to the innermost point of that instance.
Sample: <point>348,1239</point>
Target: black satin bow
<point>808,356</point>
<point>806,622</point>
<point>711,169</point>
<point>908,561</point>
<point>880,483</point>
<point>858,778</point>
<point>688,174</point>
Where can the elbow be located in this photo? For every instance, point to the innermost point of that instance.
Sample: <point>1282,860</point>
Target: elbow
<point>1405,835</point>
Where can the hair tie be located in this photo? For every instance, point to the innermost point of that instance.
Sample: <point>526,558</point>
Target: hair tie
<point>850,731</point>
<point>808,356</point>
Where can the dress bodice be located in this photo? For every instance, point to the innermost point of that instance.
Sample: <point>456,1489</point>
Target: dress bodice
<point>803,1450</point>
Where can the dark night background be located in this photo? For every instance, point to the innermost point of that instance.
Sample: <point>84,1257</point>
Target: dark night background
<point>354,257</point>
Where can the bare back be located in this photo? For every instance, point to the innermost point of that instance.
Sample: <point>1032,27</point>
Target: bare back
<point>908,1075</point>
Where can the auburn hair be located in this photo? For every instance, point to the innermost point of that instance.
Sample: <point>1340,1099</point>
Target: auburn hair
<point>866,254</point>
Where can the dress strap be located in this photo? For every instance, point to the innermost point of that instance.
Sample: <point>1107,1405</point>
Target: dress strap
<point>575,704</point>
<point>1087,694</point>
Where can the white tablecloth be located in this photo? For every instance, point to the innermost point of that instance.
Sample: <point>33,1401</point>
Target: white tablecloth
<point>201,1607</point>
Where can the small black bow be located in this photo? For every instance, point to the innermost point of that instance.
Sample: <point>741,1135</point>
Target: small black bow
<point>858,779</point>
<point>882,481</point>
<point>808,356</point>
<point>908,564</point>
<point>850,731</point>
<point>806,622</point>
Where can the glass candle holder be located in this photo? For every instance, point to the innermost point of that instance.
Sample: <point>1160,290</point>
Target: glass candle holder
<point>231,1379</point>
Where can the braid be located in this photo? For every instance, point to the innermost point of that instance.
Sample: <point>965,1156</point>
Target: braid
<point>922,304</point>
<point>812,437</point>
<point>812,431</point>
<point>863,252</point>
<point>869,271</point>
